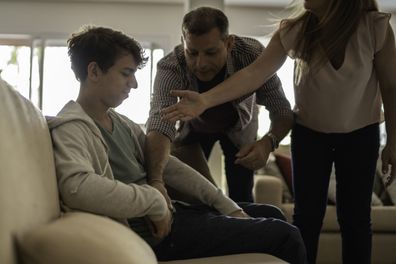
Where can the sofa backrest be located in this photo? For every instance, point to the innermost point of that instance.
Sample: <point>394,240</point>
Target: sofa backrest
<point>28,192</point>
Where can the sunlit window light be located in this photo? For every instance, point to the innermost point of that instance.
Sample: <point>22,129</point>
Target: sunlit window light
<point>137,105</point>
<point>15,67</point>
<point>285,74</point>
<point>59,83</point>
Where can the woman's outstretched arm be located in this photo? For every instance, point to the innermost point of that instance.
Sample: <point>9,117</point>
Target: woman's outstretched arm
<point>243,82</point>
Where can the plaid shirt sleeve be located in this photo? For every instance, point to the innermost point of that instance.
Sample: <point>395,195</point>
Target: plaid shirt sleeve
<point>271,95</point>
<point>168,77</point>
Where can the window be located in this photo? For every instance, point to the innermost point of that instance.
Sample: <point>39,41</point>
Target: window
<point>59,83</point>
<point>137,105</point>
<point>285,74</point>
<point>15,65</point>
<point>53,82</point>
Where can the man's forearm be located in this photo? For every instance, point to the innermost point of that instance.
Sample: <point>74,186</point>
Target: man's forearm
<point>280,127</point>
<point>157,150</point>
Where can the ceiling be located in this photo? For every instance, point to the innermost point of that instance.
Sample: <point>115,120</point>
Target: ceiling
<point>384,4</point>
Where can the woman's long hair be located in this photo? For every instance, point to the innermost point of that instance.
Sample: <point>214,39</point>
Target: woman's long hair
<point>322,40</point>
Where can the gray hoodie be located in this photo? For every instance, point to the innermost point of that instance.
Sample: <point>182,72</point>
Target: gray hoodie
<point>86,181</point>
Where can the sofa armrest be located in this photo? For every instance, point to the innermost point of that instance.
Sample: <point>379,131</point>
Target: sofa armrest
<point>267,189</point>
<point>80,237</point>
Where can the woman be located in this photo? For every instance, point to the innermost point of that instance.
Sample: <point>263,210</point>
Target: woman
<point>345,58</point>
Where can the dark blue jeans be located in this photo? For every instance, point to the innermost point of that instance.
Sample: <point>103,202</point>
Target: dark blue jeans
<point>239,178</point>
<point>354,156</point>
<point>199,231</point>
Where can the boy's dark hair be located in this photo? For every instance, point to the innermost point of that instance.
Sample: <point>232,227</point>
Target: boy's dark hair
<point>102,45</point>
<point>203,19</point>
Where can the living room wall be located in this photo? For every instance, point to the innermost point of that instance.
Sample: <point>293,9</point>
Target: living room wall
<point>158,23</point>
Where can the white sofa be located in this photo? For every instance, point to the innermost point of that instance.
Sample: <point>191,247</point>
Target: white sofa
<point>32,227</point>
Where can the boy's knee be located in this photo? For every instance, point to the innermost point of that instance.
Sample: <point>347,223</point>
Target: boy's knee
<point>295,235</point>
<point>275,212</point>
<point>263,210</point>
<point>289,232</point>
<point>278,214</point>
<point>294,245</point>
<point>288,243</point>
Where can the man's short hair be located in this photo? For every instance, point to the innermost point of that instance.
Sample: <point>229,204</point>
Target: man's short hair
<point>103,46</point>
<point>203,19</point>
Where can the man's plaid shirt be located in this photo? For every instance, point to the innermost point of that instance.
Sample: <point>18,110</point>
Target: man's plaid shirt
<point>173,74</point>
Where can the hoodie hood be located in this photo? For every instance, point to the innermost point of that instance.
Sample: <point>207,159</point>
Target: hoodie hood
<point>70,112</point>
<point>73,111</point>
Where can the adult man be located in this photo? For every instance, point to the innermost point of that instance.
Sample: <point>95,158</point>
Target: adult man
<point>101,167</point>
<point>207,56</point>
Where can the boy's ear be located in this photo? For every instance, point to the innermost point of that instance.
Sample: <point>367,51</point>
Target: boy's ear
<point>93,70</point>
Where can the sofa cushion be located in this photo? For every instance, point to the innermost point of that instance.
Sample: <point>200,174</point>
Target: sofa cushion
<point>251,258</point>
<point>272,169</point>
<point>284,163</point>
<point>383,218</point>
<point>84,238</point>
<point>391,189</point>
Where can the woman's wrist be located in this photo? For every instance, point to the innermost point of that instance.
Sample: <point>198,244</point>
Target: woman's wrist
<point>207,100</point>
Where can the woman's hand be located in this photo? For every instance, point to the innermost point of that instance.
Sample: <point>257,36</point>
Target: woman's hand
<point>388,158</point>
<point>191,105</point>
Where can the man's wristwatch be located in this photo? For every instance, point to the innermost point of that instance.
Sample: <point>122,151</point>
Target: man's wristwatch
<point>274,140</point>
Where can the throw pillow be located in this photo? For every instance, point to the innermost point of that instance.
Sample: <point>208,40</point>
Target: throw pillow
<point>84,238</point>
<point>285,166</point>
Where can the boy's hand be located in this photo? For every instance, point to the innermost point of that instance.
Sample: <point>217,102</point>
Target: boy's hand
<point>161,228</point>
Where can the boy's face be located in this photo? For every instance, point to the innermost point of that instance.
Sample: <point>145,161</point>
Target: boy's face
<point>115,84</point>
<point>206,54</point>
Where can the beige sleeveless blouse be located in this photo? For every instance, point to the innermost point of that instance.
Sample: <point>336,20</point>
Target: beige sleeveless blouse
<point>345,99</point>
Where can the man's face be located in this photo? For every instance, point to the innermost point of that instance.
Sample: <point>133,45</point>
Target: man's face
<point>115,84</point>
<point>206,54</point>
